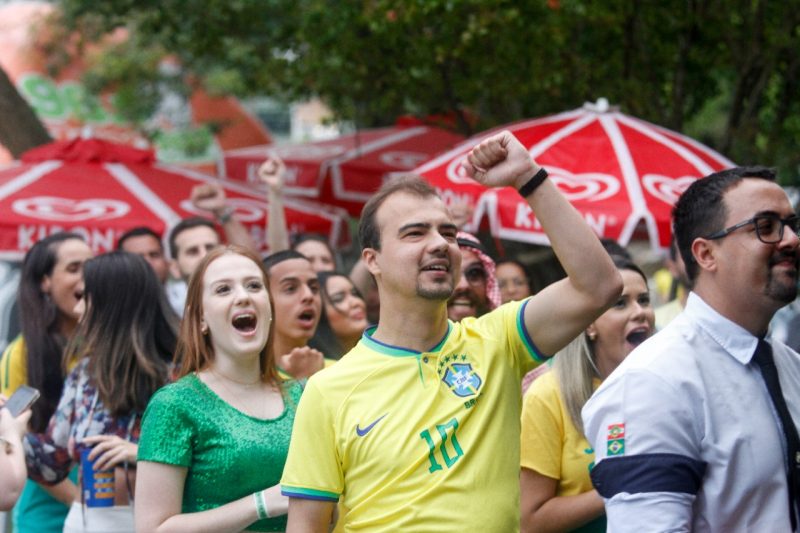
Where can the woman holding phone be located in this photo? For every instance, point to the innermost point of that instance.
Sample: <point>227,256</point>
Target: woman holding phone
<point>124,344</point>
<point>50,285</point>
<point>214,442</point>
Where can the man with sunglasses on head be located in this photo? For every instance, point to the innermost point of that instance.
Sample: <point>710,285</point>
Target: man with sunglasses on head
<point>477,292</point>
<point>697,428</point>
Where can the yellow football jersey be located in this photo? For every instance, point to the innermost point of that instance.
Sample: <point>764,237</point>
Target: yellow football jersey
<point>418,441</point>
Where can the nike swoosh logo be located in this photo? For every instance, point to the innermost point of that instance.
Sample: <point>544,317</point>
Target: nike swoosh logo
<point>361,432</point>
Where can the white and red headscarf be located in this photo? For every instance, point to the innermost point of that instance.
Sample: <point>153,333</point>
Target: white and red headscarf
<point>467,240</point>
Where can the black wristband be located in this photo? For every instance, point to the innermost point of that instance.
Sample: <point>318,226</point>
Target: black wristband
<point>537,179</point>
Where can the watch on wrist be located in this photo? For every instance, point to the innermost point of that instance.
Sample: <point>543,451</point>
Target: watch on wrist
<point>225,216</point>
<point>532,184</point>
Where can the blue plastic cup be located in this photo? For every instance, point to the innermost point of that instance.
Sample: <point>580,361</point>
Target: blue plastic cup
<point>97,485</point>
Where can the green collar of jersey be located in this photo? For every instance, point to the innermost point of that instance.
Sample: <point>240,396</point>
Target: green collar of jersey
<point>399,351</point>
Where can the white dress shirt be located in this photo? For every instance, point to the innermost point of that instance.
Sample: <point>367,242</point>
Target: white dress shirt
<point>685,435</point>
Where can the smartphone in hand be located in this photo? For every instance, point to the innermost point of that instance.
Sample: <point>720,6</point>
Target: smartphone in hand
<point>21,400</point>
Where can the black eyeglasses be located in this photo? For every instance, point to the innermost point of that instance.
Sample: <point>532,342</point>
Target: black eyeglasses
<point>769,228</point>
<point>475,274</point>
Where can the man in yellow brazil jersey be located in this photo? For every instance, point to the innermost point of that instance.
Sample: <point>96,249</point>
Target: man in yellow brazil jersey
<point>417,428</point>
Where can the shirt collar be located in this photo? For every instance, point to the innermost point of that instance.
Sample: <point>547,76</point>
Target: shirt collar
<point>399,351</point>
<point>732,337</point>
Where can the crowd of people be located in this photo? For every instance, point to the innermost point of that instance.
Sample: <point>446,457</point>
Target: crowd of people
<point>284,394</point>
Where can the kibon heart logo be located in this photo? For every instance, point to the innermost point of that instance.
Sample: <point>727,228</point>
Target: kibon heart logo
<point>589,186</point>
<point>70,210</point>
<point>666,189</point>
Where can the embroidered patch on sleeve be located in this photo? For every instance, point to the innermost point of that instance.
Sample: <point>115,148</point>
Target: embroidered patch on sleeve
<point>616,440</point>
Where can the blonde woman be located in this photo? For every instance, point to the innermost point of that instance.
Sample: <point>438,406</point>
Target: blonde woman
<point>556,491</point>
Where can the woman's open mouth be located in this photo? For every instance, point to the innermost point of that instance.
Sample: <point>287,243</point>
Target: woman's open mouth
<point>245,322</point>
<point>637,336</point>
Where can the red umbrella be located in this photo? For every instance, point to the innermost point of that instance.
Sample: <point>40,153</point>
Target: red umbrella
<point>344,171</point>
<point>620,172</point>
<point>101,189</point>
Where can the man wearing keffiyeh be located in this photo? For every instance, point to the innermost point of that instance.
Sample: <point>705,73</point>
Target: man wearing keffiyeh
<point>476,292</point>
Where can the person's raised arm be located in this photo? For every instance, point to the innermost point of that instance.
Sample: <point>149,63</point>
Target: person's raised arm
<point>272,173</point>
<point>159,495</point>
<point>558,313</point>
<point>211,197</point>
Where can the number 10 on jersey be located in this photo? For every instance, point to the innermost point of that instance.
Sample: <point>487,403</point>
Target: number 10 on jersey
<point>446,431</point>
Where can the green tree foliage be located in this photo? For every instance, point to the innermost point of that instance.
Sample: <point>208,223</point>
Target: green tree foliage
<point>726,72</point>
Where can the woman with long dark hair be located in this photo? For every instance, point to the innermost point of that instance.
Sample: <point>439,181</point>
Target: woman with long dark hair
<point>214,442</point>
<point>124,345</point>
<point>343,318</point>
<point>50,285</point>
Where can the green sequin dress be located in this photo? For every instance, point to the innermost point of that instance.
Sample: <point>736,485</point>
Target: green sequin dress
<point>228,453</point>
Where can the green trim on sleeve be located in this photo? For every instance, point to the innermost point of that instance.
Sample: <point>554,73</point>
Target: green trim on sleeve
<point>308,494</point>
<point>526,339</point>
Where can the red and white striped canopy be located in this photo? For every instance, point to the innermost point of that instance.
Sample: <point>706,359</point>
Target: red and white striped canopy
<point>622,173</point>
<point>101,189</point>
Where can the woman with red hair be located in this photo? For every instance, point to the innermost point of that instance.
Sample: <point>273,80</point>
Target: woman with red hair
<point>214,443</point>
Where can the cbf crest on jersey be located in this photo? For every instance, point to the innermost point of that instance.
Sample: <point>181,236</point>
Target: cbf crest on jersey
<point>459,376</point>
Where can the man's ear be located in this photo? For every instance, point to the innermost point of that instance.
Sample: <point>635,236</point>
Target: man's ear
<point>370,258</point>
<point>174,269</point>
<point>704,252</point>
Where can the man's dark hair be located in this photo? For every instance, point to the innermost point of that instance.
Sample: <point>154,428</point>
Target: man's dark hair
<point>138,231</point>
<point>369,234</point>
<point>183,225</point>
<point>701,209</point>
<point>280,257</point>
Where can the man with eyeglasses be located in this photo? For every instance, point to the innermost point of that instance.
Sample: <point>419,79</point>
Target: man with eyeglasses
<point>477,292</point>
<point>697,429</point>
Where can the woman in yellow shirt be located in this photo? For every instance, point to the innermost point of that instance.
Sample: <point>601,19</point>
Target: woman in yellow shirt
<point>50,286</point>
<point>556,491</point>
